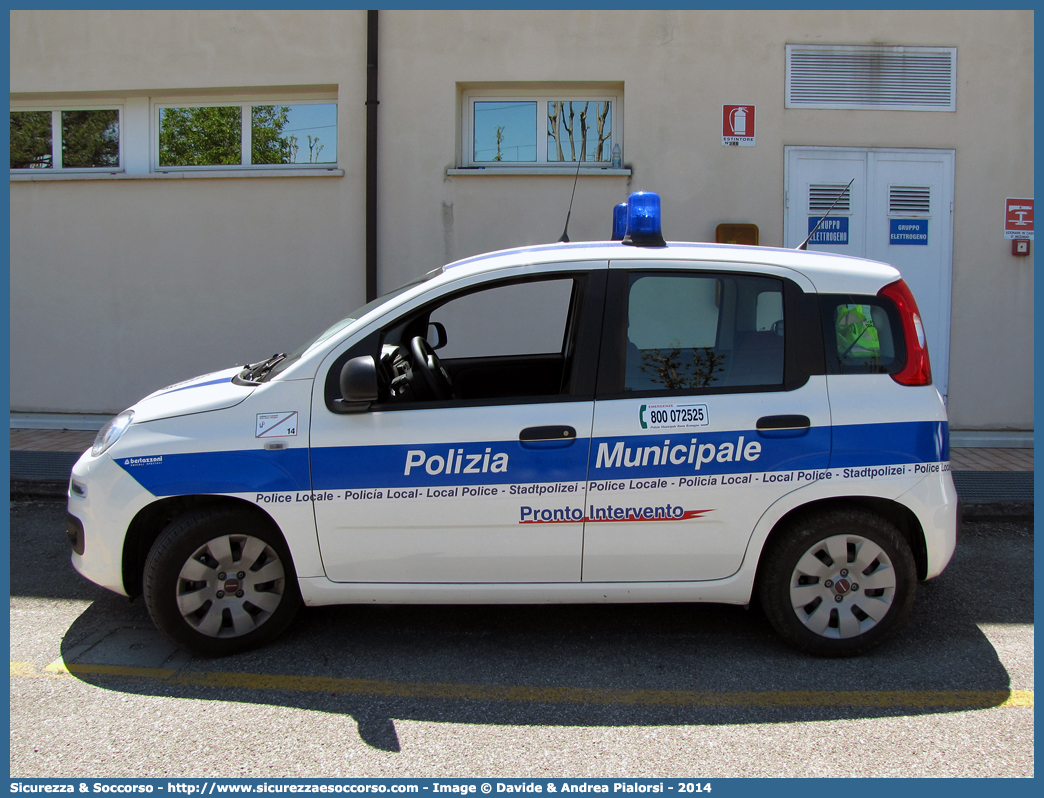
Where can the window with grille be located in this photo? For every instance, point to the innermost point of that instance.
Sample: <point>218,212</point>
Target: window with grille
<point>822,196</point>
<point>871,77</point>
<point>909,200</point>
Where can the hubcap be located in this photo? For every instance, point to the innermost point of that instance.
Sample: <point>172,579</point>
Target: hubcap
<point>842,586</point>
<point>230,586</point>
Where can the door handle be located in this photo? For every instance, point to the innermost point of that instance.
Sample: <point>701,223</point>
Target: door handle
<point>554,432</point>
<point>783,426</point>
<point>783,422</point>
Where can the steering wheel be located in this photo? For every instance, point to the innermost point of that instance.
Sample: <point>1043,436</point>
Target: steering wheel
<point>427,363</point>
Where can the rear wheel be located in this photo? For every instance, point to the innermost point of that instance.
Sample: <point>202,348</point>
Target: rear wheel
<point>220,581</point>
<point>837,583</point>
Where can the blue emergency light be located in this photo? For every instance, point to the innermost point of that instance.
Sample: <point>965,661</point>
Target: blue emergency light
<point>643,220</point>
<point>619,221</point>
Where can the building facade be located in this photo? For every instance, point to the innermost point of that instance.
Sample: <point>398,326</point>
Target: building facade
<point>189,188</point>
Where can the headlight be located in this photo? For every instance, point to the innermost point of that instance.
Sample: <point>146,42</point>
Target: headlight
<point>111,432</point>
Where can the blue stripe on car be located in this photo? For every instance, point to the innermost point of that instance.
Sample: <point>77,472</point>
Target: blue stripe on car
<point>475,463</point>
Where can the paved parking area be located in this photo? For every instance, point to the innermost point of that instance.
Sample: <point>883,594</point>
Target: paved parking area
<point>51,440</point>
<point>536,692</point>
<point>972,459</point>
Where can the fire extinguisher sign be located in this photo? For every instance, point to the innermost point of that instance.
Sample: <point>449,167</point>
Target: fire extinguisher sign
<point>737,125</point>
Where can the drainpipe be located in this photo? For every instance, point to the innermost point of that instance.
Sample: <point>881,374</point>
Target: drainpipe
<point>371,155</point>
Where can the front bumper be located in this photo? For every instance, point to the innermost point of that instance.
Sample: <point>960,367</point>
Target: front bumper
<point>102,502</point>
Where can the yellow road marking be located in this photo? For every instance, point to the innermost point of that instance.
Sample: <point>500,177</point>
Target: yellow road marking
<point>59,666</point>
<point>746,699</point>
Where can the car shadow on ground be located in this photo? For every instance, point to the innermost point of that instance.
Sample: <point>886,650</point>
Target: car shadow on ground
<point>575,665</point>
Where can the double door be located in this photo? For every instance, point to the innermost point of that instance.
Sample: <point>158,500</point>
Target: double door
<point>898,210</point>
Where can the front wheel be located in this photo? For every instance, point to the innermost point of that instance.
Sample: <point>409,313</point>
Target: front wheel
<point>220,581</point>
<point>837,583</point>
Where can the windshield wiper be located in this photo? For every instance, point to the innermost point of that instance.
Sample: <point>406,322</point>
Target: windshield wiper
<point>258,371</point>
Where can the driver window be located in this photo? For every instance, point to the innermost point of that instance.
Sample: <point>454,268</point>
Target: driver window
<point>516,319</point>
<point>500,342</point>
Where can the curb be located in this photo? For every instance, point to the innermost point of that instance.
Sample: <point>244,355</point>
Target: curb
<point>997,511</point>
<point>30,489</point>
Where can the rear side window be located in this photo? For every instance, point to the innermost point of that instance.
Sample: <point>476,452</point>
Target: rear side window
<point>703,331</point>
<point>862,335</point>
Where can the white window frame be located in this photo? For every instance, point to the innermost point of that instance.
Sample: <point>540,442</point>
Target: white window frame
<point>56,137</point>
<point>245,104</point>
<point>541,96</point>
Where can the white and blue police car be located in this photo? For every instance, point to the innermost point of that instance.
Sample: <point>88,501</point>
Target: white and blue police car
<point>623,421</point>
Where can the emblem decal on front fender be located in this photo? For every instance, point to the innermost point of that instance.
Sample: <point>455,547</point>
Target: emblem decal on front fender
<point>276,425</point>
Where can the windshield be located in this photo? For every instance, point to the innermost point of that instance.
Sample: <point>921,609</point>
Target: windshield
<point>337,327</point>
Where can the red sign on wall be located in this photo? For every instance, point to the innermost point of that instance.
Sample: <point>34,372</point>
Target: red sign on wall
<point>737,125</point>
<point>1018,218</point>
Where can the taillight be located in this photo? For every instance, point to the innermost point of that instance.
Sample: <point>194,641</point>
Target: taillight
<point>918,368</point>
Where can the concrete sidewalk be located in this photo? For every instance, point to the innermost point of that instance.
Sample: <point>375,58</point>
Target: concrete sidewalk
<point>992,483</point>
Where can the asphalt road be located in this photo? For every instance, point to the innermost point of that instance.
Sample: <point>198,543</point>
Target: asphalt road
<point>543,692</point>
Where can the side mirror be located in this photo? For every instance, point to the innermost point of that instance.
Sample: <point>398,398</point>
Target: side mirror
<point>358,385</point>
<point>440,335</point>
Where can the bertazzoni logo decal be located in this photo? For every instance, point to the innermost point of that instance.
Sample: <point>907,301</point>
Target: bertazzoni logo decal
<point>140,461</point>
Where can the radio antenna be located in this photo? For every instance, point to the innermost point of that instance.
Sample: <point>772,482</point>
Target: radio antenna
<point>565,231</point>
<point>804,244</point>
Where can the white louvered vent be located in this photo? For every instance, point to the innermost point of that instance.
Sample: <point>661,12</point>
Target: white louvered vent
<point>908,200</point>
<point>822,195</point>
<point>871,77</point>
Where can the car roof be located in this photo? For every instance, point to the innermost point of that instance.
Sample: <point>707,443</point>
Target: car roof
<point>828,272</point>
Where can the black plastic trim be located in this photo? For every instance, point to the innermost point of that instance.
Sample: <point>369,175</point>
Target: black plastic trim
<point>370,345</point>
<point>803,345</point>
<point>784,422</point>
<point>614,337</point>
<point>554,432</point>
<point>74,532</point>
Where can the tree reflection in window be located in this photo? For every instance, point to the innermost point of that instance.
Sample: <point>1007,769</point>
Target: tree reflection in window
<point>583,122</point>
<point>31,140</point>
<point>505,131</point>
<point>90,139</point>
<point>201,136</point>
<point>279,134</point>
<point>289,134</point>
<point>665,367</point>
<point>87,139</point>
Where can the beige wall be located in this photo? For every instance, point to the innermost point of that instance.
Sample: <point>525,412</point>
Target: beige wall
<point>119,287</point>
<point>176,277</point>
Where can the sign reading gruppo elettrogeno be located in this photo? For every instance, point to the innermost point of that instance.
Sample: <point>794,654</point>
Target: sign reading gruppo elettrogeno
<point>908,232</point>
<point>833,230</point>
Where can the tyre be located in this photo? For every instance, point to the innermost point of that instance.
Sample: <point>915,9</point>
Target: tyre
<point>837,583</point>
<point>219,581</point>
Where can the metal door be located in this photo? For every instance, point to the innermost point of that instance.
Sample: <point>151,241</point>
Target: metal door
<point>899,210</point>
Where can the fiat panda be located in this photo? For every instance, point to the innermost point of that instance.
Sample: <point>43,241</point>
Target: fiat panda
<point>622,421</point>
